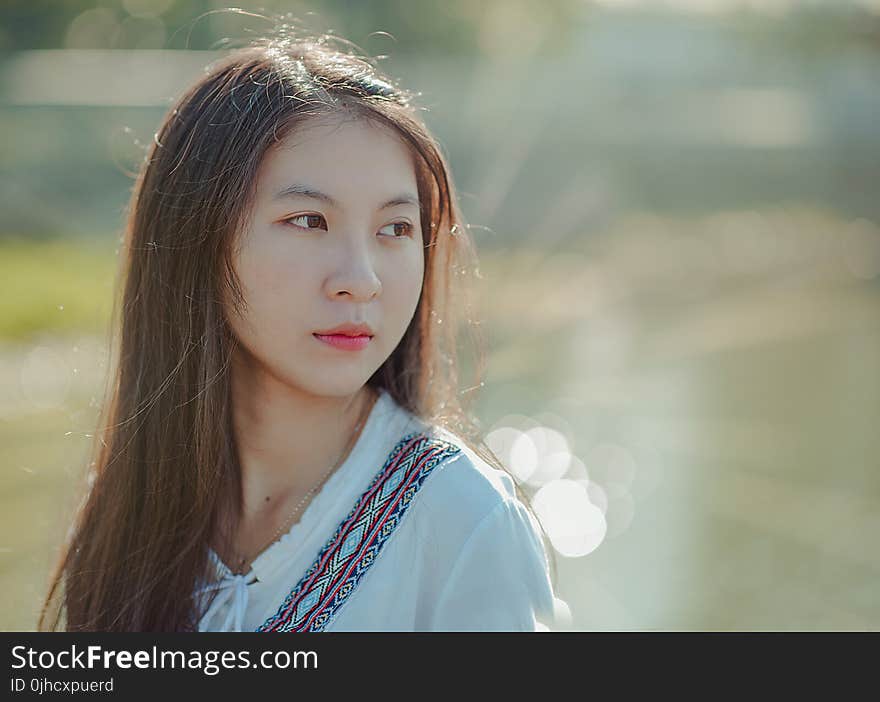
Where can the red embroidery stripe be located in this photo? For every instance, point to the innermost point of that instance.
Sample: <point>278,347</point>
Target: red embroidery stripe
<point>365,499</point>
<point>355,557</point>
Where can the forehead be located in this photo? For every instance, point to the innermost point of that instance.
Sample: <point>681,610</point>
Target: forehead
<point>348,158</point>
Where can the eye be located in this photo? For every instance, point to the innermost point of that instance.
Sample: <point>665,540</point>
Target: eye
<point>311,219</point>
<point>405,230</point>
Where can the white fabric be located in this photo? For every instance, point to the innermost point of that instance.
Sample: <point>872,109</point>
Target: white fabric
<point>467,555</point>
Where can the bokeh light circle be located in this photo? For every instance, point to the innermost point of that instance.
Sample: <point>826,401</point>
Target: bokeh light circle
<point>573,524</point>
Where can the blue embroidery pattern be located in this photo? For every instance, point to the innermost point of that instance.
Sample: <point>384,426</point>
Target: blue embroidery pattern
<point>360,537</point>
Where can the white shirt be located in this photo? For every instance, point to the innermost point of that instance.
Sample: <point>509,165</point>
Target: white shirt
<point>465,555</point>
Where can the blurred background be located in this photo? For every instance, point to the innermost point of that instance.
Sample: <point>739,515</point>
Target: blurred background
<point>676,206</point>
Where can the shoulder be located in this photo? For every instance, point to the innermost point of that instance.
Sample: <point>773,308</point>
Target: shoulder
<point>463,487</point>
<point>466,501</point>
<point>458,489</point>
<point>483,563</point>
<point>474,549</point>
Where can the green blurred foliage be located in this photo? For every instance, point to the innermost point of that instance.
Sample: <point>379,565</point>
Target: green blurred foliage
<point>429,27</point>
<point>60,286</point>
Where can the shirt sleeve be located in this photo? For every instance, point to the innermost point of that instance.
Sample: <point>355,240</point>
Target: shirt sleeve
<point>500,580</point>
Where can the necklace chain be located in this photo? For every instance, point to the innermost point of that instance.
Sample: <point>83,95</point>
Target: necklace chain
<point>242,559</point>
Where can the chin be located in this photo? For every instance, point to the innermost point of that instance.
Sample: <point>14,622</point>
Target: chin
<point>330,384</point>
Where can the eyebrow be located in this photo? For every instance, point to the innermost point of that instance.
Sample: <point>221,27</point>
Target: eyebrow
<point>298,190</point>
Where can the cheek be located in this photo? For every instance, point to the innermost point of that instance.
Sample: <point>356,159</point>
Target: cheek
<point>402,288</point>
<point>273,284</point>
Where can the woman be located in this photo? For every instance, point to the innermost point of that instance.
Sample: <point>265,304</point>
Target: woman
<point>284,448</point>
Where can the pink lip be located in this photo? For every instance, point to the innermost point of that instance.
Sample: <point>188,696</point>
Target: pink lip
<point>347,343</point>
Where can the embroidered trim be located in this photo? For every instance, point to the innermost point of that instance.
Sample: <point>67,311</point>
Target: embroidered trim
<point>360,537</point>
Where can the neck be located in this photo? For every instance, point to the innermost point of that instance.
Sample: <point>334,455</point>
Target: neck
<point>287,439</point>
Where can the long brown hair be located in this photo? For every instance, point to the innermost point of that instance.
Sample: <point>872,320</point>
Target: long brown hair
<point>165,445</point>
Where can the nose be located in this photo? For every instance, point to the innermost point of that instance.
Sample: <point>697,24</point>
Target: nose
<point>354,276</point>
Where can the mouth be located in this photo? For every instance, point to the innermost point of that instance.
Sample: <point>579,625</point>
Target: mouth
<point>345,342</point>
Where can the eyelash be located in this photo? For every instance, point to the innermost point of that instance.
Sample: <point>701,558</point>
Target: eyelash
<point>409,227</point>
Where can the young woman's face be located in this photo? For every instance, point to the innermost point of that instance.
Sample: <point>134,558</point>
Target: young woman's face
<point>334,238</point>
